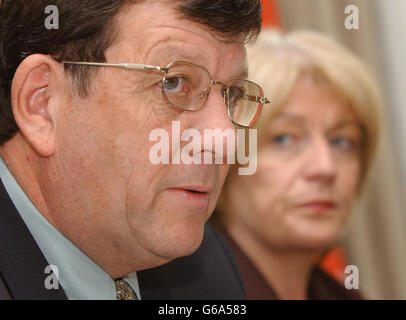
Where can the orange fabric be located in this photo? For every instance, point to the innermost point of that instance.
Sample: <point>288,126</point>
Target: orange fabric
<point>270,14</point>
<point>334,263</point>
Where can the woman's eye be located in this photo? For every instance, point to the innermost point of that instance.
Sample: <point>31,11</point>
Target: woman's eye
<point>173,84</point>
<point>283,139</point>
<point>343,143</point>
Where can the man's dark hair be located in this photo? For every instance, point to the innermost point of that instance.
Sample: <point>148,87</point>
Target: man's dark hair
<point>86,29</point>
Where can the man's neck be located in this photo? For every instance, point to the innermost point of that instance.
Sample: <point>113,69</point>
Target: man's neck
<point>21,162</point>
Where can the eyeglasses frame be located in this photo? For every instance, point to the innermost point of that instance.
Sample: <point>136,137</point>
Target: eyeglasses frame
<point>147,67</point>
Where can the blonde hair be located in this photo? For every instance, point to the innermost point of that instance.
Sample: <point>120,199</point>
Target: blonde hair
<point>278,61</point>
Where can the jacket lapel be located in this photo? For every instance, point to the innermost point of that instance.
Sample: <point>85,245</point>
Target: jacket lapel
<point>22,264</point>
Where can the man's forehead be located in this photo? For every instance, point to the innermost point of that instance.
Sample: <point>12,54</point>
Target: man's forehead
<point>147,18</point>
<point>171,52</point>
<point>167,36</point>
<point>143,22</point>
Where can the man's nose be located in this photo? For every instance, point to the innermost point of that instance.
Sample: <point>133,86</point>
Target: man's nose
<point>320,164</point>
<point>216,128</point>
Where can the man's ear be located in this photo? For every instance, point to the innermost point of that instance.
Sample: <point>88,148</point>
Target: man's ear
<point>32,99</point>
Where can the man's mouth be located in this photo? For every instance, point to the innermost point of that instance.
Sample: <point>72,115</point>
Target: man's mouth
<point>194,191</point>
<point>195,195</point>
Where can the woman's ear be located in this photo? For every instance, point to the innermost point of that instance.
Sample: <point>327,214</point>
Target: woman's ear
<point>31,102</point>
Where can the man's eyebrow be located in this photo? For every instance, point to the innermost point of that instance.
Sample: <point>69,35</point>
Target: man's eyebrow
<point>242,71</point>
<point>172,54</point>
<point>242,74</point>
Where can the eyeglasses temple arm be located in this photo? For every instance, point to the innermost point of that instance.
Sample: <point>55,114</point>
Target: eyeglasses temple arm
<point>256,99</point>
<point>132,66</point>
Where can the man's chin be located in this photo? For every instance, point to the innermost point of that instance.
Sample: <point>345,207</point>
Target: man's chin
<point>183,240</point>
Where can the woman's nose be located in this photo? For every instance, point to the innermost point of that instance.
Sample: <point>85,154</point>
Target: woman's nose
<point>320,163</point>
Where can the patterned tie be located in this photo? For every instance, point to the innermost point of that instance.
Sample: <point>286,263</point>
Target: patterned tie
<point>124,291</point>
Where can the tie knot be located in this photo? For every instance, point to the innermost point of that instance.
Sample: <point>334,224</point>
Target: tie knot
<point>124,291</point>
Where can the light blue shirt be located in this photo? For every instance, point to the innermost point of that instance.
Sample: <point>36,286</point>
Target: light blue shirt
<point>79,276</point>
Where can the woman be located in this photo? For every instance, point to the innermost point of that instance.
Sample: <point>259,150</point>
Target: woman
<point>315,145</point>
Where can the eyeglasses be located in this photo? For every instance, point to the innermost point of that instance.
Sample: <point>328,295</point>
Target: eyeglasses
<point>186,86</point>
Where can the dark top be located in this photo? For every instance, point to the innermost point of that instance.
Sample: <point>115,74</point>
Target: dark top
<point>321,286</point>
<point>209,273</point>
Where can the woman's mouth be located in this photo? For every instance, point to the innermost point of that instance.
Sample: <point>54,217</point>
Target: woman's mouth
<point>318,206</point>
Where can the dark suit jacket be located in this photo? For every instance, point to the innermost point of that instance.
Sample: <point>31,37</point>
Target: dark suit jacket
<point>209,273</point>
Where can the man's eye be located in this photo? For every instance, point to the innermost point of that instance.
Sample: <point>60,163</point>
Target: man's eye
<point>235,94</point>
<point>173,84</point>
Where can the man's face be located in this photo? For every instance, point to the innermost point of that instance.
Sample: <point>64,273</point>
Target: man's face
<point>116,202</point>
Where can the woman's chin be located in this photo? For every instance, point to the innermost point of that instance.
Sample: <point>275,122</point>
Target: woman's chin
<point>316,237</point>
<point>317,243</point>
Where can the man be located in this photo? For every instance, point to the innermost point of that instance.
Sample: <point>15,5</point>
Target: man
<point>82,205</point>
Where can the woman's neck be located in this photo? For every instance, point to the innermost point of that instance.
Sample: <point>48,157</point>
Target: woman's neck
<point>287,272</point>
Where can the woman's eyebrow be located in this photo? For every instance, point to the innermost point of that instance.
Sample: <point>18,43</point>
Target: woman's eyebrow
<point>347,123</point>
<point>284,116</point>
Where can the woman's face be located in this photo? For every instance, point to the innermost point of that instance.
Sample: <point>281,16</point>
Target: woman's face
<point>308,172</point>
